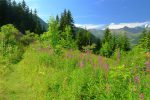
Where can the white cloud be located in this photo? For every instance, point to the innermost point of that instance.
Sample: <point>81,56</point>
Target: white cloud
<point>113,25</point>
<point>130,25</point>
<point>90,26</point>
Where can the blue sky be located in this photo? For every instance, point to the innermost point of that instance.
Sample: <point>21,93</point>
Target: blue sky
<point>95,12</point>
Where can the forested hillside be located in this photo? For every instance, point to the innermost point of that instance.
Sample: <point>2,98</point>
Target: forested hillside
<point>20,15</point>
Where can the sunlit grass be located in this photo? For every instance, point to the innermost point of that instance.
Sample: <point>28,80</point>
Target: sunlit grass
<point>43,75</point>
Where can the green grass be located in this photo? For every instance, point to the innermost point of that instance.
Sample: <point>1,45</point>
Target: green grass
<point>43,75</point>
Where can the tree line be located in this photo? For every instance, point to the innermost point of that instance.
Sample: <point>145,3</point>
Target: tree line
<point>20,15</point>
<point>62,32</point>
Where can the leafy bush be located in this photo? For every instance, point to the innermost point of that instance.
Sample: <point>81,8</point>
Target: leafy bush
<point>28,38</point>
<point>10,43</point>
<point>145,40</point>
<point>106,50</point>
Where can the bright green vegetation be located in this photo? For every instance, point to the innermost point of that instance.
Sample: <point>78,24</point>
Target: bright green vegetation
<point>44,70</point>
<point>69,63</point>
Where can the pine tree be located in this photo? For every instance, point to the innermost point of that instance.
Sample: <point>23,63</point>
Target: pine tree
<point>19,15</point>
<point>125,43</point>
<point>107,36</point>
<point>67,20</point>
<point>57,19</point>
<point>145,40</point>
<point>107,46</point>
<point>3,12</point>
<point>70,21</point>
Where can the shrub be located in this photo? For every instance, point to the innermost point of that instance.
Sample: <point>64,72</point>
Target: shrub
<point>28,38</point>
<point>10,43</point>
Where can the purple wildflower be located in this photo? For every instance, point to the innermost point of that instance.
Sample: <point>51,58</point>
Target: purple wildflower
<point>141,96</point>
<point>137,79</point>
<point>106,68</point>
<point>81,64</point>
<point>101,61</point>
<point>147,64</point>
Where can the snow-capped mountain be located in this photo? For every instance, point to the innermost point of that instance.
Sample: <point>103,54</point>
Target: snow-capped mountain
<point>114,25</point>
<point>133,30</point>
<point>129,25</point>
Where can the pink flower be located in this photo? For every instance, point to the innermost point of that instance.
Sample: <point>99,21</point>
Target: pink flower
<point>141,96</point>
<point>81,64</point>
<point>137,79</point>
<point>101,61</point>
<point>106,68</point>
<point>147,64</point>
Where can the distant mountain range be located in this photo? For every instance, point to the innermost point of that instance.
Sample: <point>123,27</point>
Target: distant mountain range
<point>132,30</point>
<point>133,33</point>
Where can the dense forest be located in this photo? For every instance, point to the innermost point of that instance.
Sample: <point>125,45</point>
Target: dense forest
<point>65,62</point>
<point>20,15</point>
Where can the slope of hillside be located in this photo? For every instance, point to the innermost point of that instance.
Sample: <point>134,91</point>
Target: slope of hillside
<point>42,75</point>
<point>132,33</point>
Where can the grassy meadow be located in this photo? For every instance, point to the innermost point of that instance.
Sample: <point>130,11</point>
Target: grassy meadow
<point>60,61</point>
<point>44,75</point>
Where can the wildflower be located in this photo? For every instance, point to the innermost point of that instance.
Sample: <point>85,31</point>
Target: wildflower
<point>91,61</point>
<point>147,64</point>
<point>94,65</point>
<point>106,68</point>
<point>69,55</point>
<point>137,79</point>
<point>81,64</point>
<point>141,96</point>
<point>101,61</point>
<point>148,55</point>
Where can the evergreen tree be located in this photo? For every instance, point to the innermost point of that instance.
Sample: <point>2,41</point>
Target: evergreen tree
<point>20,16</point>
<point>145,40</point>
<point>107,46</point>
<point>57,19</point>
<point>125,43</point>
<point>107,36</point>
<point>67,20</point>
<point>3,11</point>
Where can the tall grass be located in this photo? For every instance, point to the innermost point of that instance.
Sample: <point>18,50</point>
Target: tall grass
<point>44,75</point>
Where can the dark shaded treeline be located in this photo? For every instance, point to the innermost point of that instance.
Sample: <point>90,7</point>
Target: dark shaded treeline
<point>20,15</point>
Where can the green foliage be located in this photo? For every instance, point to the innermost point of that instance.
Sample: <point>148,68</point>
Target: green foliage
<point>28,38</point>
<point>66,39</point>
<point>52,68</point>
<point>9,43</point>
<point>58,39</point>
<point>107,36</point>
<point>66,20</point>
<point>76,75</point>
<point>145,40</point>
<point>124,43</point>
<point>53,34</point>
<point>106,49</point>
<point>20,15</point>
<point>83,38</point>
<point>113,42</point>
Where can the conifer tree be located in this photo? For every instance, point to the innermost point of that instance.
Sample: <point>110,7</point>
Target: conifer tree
<point>107,36</point>
<point>66,20</point>
<point>20,16</point>
<point>3,10</point>
<point>145,40</point>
